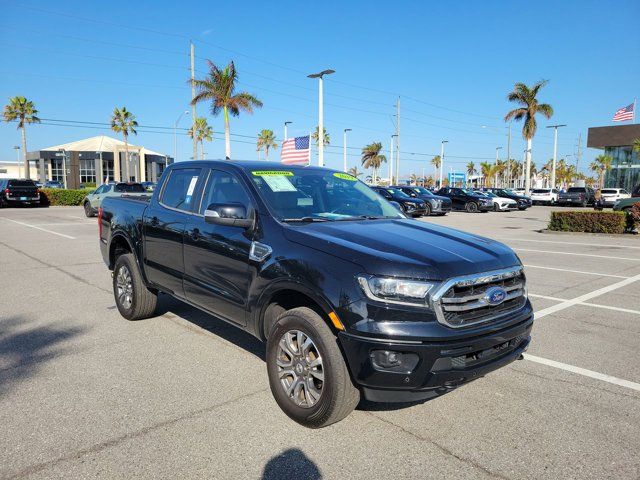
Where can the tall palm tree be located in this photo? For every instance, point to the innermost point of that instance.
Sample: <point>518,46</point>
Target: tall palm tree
<point>471,170</point>
<point>24,111</point>
<point>436,162</point>
<point>600,165</point>
<point>124,122</point>
<point>486,171</point>
<point>526,97</point>
<point>316,138</point>
<point>266,141</point>
<point>413,179</point>
<point>201,131</point>
<point>354,172</point>
<point>636,146</point>
<point>372,158</point>
<point>219,88</point>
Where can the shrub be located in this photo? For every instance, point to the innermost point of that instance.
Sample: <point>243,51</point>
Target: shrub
<point>59,196</point>
<point>589,222</point>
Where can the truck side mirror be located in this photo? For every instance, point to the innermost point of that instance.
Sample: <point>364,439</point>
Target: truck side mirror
<point>229,214</point>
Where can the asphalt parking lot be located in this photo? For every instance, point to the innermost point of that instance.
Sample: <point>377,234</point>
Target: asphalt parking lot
<point>85,393</point>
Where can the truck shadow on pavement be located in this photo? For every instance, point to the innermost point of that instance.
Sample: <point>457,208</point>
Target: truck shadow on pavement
<point>292,464</point>
<point>24,350</point>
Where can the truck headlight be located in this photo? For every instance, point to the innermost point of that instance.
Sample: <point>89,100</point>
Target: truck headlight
<point>395,290</point>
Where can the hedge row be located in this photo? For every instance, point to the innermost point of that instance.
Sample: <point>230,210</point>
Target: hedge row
<point>59,196</point>
<point>588,221</point>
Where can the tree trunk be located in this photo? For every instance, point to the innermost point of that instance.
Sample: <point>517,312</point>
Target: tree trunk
<point>527,177</point>
<point>201,150</point>
<point>126,159</point>
<point>227,140</point>
<point>23,133</point>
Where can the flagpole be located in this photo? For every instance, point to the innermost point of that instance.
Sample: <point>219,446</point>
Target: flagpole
<point>634,111</point>
<point>309,161</point>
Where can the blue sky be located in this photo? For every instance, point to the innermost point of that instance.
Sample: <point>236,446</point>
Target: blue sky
<point>452,63</point>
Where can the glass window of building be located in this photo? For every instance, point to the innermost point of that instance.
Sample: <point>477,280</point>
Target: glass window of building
<point>88,171</point>
<point>57,173</point>
<point>107,170</point>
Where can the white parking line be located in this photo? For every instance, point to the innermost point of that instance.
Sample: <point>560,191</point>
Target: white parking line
<point>587,296</point>
<point>576,271</point>
<point>607,245</point>
<point>606,307</point>
<point>75,224</point>
<point>583,371</point>
<point>43,229</point>
<point>633,259</point>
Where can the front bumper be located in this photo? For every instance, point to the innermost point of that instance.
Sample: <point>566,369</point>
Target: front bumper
<point>485,207</point>
<point>441,366</point>
<point>441,208</point>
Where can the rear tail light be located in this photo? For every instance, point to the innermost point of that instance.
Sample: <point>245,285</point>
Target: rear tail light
<point>7,191</point>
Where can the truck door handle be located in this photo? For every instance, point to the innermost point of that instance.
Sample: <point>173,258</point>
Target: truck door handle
<point>154,221</point>
<point>195,234</point>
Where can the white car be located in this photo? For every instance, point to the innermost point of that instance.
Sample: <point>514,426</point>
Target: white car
<point>519,191</point>
<point>609,196</point>
<point>548,196</point>
<point>501,204</point>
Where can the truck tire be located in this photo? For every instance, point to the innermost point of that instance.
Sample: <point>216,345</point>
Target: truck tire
<point>133,299</point>
<point>88,211</point>
<point>307,372</point>
<point>471,207</point>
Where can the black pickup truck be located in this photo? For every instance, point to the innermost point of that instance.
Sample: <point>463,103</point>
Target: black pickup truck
<point>14,191</point>
<point>352,298</point>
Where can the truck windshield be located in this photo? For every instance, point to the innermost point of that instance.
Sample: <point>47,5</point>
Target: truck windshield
<point>310,194</point>
<point>577,189</point>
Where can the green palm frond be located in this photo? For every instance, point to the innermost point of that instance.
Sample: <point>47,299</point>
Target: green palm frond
<point>22,110</point>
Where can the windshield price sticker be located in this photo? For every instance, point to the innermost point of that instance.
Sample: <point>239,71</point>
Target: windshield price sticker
<point>345,176</point>
<point>279,183</point>
<point>272,173</point>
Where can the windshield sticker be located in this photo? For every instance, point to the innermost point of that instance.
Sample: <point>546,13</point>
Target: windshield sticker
<point>345,176</point>
<point>305,202</point>
<point>279,183</point>
<point>192,186</point>
<point>271,173</point>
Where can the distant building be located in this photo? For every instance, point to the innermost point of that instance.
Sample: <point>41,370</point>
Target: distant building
<point>617,141</point>
<point>96,160</point>
<point>11,170</point>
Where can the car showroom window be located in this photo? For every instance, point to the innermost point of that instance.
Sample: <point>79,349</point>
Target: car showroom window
<point>223,187</point>
<point>180,189</point>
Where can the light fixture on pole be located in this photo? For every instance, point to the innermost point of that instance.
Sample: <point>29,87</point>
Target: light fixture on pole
<point>442,159</point>
<point>344,150</point>
<point>285,129</point>
<point>175,135</point>
<point>319,76</point>
<point>63,153</point>
<point>555,153</point>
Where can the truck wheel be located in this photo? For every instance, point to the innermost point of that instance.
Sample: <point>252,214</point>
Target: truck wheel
<point>88,211</point>
<point>307,372</point>
<point>133,299</point>
<point>471,207</point>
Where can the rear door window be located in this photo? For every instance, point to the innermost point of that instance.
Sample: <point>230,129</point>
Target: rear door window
<point>21,183</point>
<point>180,189</point>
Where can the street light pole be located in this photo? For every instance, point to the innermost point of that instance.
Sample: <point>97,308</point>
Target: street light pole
<point>175,136</point>
<point>319,76</point>
<point>442,159</point>
<point>496,179</point>
<point>555,153</point>
<point>391,160</point>
<point>509,156</point>
<point>285,129</point>
<point>17,149</point>
<point>344,150</point>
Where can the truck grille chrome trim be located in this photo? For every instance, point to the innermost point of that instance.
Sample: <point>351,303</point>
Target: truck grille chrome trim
<point>469,300</point>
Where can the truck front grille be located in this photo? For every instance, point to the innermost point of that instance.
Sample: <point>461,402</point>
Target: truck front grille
<point>465,301</point>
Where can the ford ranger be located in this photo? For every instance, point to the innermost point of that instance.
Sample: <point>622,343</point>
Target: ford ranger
<point>352,298</point>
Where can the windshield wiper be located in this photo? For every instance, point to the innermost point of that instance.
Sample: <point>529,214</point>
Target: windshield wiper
<point>307,219</point>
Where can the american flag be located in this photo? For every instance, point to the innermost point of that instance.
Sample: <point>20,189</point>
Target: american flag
<point>296,151</point>
<point>625,113</point>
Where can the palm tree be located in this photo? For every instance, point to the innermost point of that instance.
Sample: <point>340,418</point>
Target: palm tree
<point>371,158</point>
<point>486,171</point>
<point>436,162</point>
<point>636,146</point>
<point>600,165</point>
<point>413,179</point>
<point>22,110</point>
<point>201,131</point>
<point>219,87</point>
<point>315,136</point>
<point>529,107</point>
<point>471,170</point>
<point>124,122</point>
<point>354,172</point>
<point>266,141</point>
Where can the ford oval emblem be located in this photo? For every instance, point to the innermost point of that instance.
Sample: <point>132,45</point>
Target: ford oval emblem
<point>495,295</point>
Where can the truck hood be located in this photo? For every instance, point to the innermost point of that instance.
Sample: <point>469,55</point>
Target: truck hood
<point>405,248</point>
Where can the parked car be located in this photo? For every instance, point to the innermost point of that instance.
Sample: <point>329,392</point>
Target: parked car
<point>522,201</point>
<point>435,204</point>
<point>625,203</point>
<point>636,191</point>
<point>581,196</point>
<point>519,191</point>
<point>609,196</point>
<point>414,207</point>
<point>544,196</point>
<point>92,201</point>
<point>148,186</point>
<point>53,184</point>
<point>467,200</point>
<point>14,191</point>
<point>351,298</point>
<point>500,204</point>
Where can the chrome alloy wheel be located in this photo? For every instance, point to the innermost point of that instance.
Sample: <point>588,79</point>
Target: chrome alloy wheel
<point>300,368</point>
<point>124,287</point>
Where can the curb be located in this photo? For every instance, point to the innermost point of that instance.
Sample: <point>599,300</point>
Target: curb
<point>546,231</point>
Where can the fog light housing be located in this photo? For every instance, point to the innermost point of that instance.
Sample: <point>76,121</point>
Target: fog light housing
<point>396,362</point>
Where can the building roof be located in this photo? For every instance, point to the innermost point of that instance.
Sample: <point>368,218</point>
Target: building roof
<point>100,143</point>
<point>613,136</point>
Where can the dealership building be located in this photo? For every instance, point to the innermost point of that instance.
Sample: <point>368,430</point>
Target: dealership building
<point>617,142</point>
<point>96,160</point>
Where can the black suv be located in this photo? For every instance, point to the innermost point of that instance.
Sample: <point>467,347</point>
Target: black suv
<point>435,204</point>
<point>467,200</point>
<point>411,206</point>
<point>18,192</point>
<point>523,201</point>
